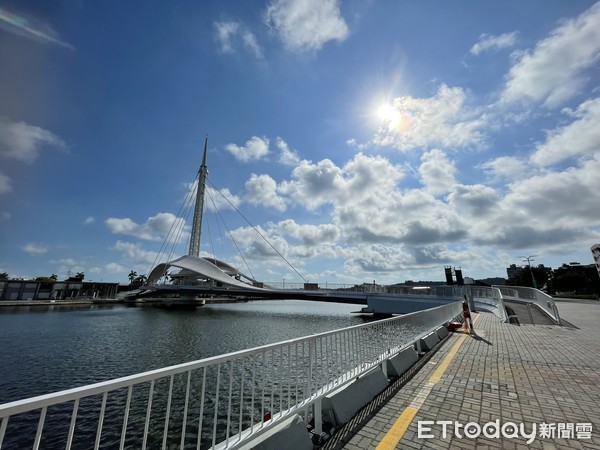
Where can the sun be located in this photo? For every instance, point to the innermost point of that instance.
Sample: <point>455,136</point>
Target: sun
<point>389,115</point>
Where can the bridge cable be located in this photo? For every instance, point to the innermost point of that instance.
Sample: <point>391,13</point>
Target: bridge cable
<point>230,235</point>
<point>259,233</point>
<point>165,243</point>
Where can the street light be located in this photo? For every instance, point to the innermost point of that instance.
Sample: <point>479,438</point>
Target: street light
<point>528,259</point>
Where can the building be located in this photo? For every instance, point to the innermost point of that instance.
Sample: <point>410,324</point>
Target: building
<point>513,270</point>
<point>56,290</point>
<point>596,254</point>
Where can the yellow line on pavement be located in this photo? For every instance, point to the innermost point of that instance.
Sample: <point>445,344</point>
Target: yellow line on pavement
<point>398,429</point>
<point>391,439</point>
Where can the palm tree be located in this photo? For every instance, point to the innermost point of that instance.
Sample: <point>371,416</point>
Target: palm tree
<point>132,276</point>
<point>3,276</point>
<point>80,276</point>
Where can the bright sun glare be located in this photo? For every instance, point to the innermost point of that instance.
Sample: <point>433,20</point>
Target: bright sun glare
<point>388,114</point>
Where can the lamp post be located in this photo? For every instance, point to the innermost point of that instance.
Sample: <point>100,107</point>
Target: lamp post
<point>528,259</point>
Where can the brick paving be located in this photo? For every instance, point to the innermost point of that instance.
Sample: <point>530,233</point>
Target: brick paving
<point>522,374</point>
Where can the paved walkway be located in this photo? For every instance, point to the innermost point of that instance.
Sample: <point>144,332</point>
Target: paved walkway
<point>547,377</point>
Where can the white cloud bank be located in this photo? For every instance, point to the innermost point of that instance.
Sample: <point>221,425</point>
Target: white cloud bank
<point>443,120</point>
<point>553,71</point>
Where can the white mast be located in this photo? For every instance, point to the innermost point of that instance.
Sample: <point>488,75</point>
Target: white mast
<point>197,223</point>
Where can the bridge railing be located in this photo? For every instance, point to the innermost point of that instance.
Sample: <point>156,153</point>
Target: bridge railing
<point>215,402</point>
<point>530,295</point>
<point>489,299</point>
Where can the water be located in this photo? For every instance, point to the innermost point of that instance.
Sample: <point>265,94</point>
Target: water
<point>44,350</point>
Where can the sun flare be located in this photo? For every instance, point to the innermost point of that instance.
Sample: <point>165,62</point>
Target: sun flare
<point>389,115</point>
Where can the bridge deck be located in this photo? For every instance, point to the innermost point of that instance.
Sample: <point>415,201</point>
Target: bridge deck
<point>522,374</point>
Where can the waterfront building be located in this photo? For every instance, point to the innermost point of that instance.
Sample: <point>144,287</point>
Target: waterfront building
<point>56,290</point>
<point>513,270</point>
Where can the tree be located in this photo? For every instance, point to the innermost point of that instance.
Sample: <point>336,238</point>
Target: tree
<point>138,281</point>
<point>576,278</point>
<point>132,276</point>
<point>80,275</point>
<point>3,276</point>
<point>52,277</point>
<point>523,277</point>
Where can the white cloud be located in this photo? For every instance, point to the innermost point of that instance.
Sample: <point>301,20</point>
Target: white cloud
<point>34,249</point>
<point>437,172</point>
<point>155,228</point>
<point>554,71</point>
<point>306,25</point>
<point>509,167</point>
<point>310,234</point>
<point>287,156</point>
<point>228,34</point>
<point>475,201</point>
<point>557,199</point>
<point>5,216</point>
<point>5,184</point>
<point>256,247</point>
<point>488,42</point>
<point>579,138</point>
<point>114,268</point>
<point>109,268</point>
<point>136,253</point>
<point>443,120</point>
<point>314,185</point>
<point>262,190</point>
<point>374,225</point>
<point>88,221</point>
<point>224,33</point>
<point>24,142</point>
<point>65,262</point>
<point>251,44</point>
<point>256,148</point>
<point>221,199</point>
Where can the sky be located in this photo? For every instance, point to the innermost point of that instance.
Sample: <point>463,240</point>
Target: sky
<point>361,140</point>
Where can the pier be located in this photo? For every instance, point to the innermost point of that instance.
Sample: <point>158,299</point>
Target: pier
<point>542,375</point>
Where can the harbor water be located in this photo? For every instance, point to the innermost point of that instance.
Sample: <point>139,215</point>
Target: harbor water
<point>47,349</point>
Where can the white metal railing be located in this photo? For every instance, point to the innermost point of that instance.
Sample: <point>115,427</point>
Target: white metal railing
<point>214,402</point>
<point>489,299</point>
<point>530,295</point>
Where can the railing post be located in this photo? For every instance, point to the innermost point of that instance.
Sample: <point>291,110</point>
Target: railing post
<point>312,352</point>
<point>318,417</point>
<point>555,309</point>
<point>317,410</point>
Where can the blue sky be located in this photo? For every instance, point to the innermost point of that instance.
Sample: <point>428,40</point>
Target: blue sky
<point>367,140</point>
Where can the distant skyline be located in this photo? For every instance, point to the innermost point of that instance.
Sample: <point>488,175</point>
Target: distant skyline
<point>368,141</point>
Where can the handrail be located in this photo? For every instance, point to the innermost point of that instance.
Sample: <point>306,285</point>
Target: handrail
<point>531,295</point>
<point>490,299</point>
<point>218,401</point>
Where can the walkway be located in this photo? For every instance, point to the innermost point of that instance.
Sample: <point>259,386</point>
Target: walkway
<point>542,376</point>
